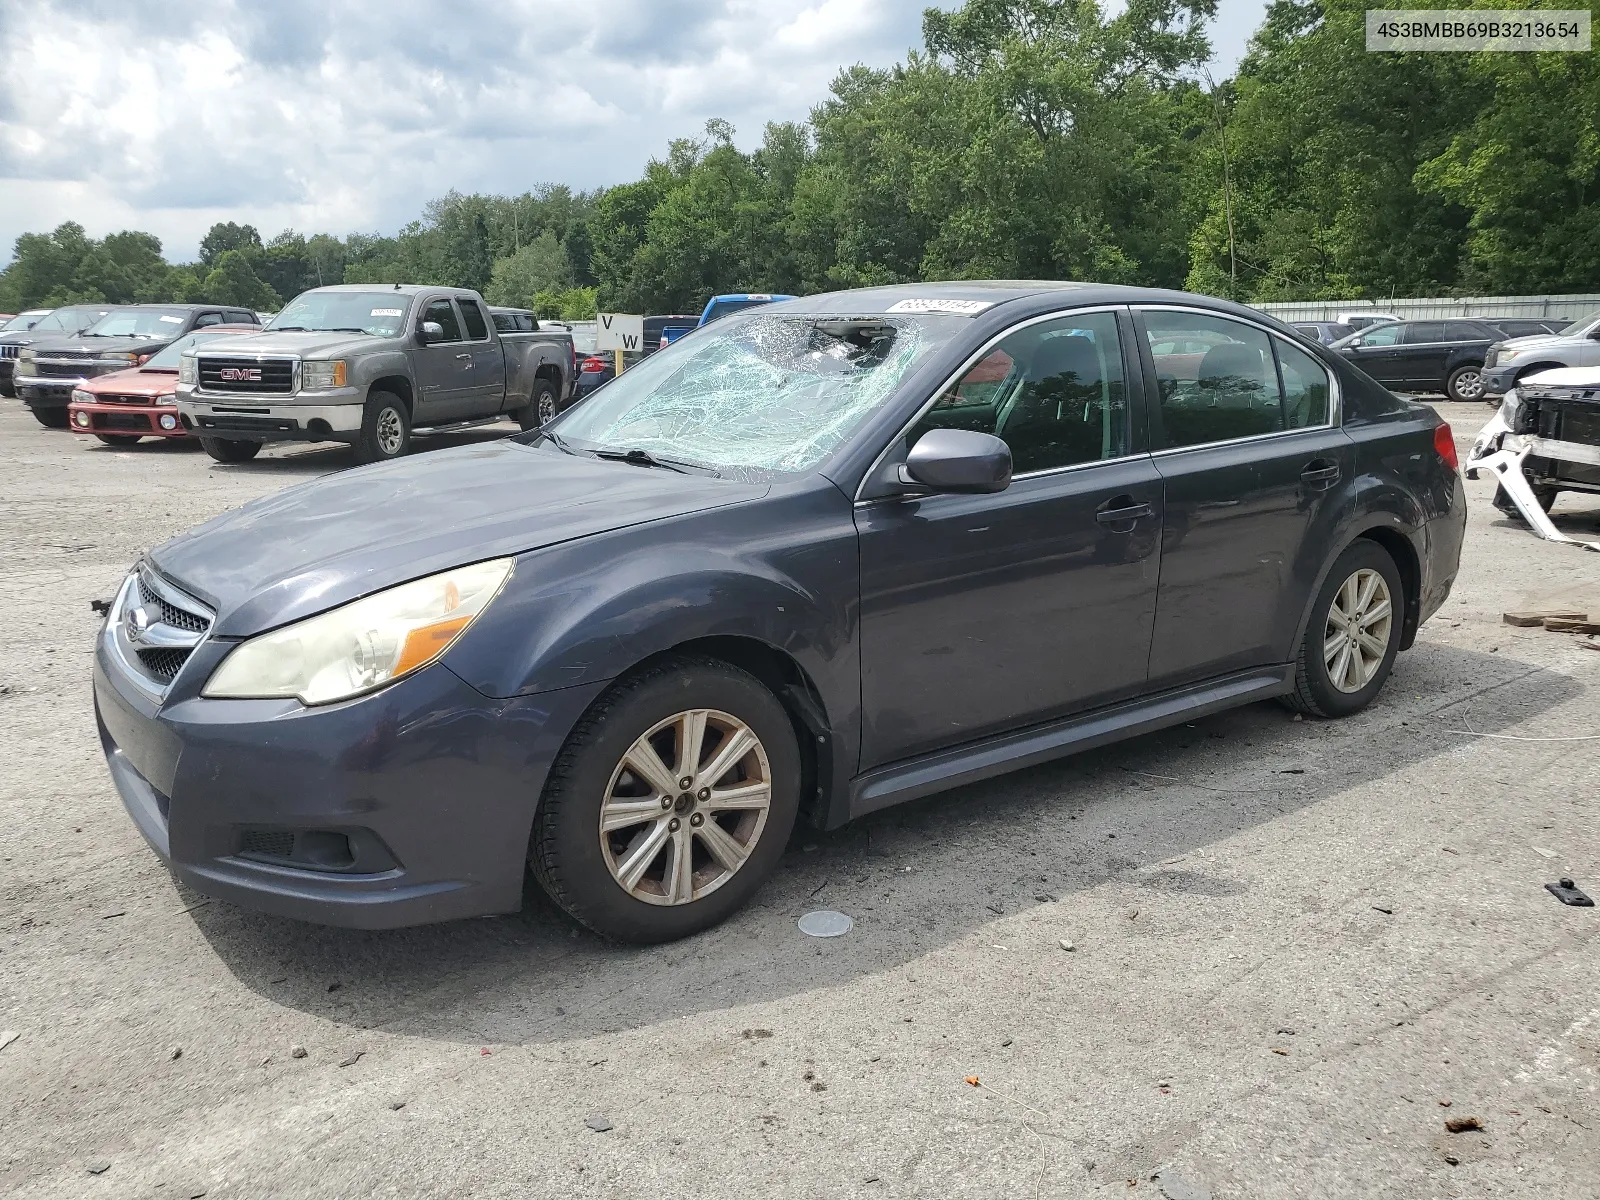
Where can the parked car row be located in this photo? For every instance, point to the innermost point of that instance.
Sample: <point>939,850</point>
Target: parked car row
<point>1452,356</point>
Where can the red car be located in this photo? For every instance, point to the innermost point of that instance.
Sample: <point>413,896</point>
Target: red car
<point>125,406</point>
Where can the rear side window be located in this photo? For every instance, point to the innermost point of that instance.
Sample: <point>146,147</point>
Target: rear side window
<point>1053,392</point>
<point>443,312</point>
<point>472,317</point>
<point>1422,332</point>
<point>1305,387</point>
<point>208,318</point>
<point>1216,377</point>
<point>242,318</point>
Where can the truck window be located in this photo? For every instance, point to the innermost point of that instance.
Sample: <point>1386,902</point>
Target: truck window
<point>444,313</point>
<point>472,316</point>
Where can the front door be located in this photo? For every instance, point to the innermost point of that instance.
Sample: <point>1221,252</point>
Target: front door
<point>486,395</point>
<point>1380,354</point>
<point>986,613</point>
<point>1249,464</point>
<point>443,369</point>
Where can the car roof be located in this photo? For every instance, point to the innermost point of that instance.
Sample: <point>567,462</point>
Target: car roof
<point>402,289</point>
<point>501,308</point>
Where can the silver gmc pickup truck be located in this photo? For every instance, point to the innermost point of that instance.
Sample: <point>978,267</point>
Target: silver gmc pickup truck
<point>371,364</point>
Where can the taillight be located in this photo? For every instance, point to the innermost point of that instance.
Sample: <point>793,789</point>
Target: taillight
<point>662,344</point>
<point>1444,445</point>
<point>592,364</point>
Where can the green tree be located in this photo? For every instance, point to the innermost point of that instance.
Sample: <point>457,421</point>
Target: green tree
<point>540,266</point>
<point>225,236</point>
<point>234,281</point>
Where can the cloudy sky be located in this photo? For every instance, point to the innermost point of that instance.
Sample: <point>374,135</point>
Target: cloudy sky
<point>336,116</point>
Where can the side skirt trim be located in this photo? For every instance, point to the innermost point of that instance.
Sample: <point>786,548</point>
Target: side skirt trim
<point>917,777</point>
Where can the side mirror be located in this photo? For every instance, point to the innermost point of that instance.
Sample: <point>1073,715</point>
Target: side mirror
<point>430,332</point>
<point>958,460</point>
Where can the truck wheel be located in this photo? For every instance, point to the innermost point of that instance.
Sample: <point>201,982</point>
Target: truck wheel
<point>1353,635</point>
<point>670,803</point>
<point>385,429</point>
<point>118,439</point>
<point>50,418</point>
<point>230,450</point>
<point>542,410</point>
<point>1465,383</point>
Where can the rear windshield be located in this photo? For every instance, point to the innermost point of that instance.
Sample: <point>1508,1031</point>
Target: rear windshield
<point>139,322</point>
<point>758,394</point>
<point>723,308</point>
<point>380,314</point>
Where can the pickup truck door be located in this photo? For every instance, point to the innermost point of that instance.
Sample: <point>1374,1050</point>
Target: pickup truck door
<point>487,392</point>
<point>443,370</point>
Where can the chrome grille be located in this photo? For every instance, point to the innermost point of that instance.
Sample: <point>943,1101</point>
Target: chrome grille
<point>155,628</point>
<point>9,349</point>
<point>247,376</point>
<point>60,370</point>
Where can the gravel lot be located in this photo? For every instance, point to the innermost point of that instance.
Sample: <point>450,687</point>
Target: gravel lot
<point>1300,947</point>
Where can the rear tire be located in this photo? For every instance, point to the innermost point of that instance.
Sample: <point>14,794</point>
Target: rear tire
<point>1350,642</point>
<point>385,429</point>
<point>1465,384</point>
<point>230,450</point>
<point>583,869</point>
<point>50,418</point>
<point>543,407</point>
<point>119,439</point>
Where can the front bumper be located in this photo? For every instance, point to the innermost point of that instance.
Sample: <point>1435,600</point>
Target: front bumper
<point>260,419</point>
<point>132,419</point>
<point>46,391</point>
<point>433,785</point>
<point>1498,380</point>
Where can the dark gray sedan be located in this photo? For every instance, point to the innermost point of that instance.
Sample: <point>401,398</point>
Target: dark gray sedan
<point>820,558</point>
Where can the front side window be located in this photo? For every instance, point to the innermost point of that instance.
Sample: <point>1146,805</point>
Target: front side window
<point>1053,392</point>
<point>1216,378</point>
<point>442,312</point>
<point>758,394</point>
<point>1383,335</point>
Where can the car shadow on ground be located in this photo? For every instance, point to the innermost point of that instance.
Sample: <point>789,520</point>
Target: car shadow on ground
<point>915,878</point>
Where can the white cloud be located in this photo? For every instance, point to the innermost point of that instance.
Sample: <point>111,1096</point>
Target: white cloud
<point>167,116</point>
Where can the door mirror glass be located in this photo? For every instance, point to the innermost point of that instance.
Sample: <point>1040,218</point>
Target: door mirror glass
<point>959,460</point>
<point>431,331</point>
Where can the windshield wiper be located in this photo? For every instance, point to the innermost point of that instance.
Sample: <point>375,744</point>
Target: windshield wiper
<point>556,440</point>
<point>287,329</point>
<point>643,458</point>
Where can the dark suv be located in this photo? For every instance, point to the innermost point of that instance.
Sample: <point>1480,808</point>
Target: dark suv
<point>1428,357</point>
<point>49,369</point>
<point>819,558</point>
<point>56,323</point>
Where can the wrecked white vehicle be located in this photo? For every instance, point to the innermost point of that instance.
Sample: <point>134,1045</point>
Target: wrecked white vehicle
<point>1544,440</point>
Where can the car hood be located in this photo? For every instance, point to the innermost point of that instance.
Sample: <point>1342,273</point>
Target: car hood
<point>295,345</point>
<point>1565,377</point>
<point>135,381</point>
<point>1535,341</point>
<point>323,543</point>
<point>106,345</point>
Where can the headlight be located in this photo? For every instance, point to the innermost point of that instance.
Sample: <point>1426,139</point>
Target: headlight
<point>186,369</point>
<point>27,356</point>
<point>167,398</point>
<point>79,396</point>
<point>121,356</point>
<point>365,644</point>
<point>26,366</point>
<point>1507,355</point>
<point>314,376</point>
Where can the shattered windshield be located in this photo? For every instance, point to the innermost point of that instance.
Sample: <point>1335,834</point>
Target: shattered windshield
<point>758,393</point>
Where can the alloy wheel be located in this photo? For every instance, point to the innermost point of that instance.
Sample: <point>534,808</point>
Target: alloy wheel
<point>390,432</point>
<point>1356,639</point>
<point>1469,385</point>
<point>547,407</point>
<point>685,807</point>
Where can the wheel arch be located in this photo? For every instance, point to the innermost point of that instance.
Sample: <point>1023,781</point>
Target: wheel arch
<point>1531,368</point>
<point>1397,543</point>
<point>397,385</point>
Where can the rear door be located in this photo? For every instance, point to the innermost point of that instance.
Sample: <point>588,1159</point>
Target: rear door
<point>443,369</point>
<point>1424,346</point>
<point>1249,449</point>
<point>485,394</point>
<point>981,614</point>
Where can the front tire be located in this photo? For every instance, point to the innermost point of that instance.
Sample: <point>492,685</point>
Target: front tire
<point>230,450</point>
<point>670,804</point>
<point>1353,635</point>
<point>385,429</point>
<point>1465,383</point>
<point>50,418</point>
<point>542,409</point>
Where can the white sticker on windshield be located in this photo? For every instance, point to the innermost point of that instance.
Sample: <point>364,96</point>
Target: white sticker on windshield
<point>965,307</point>
<point>388,312</point>
<point>173,320</point>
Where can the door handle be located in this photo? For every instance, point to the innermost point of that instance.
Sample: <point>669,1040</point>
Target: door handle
<point>1122,510</point>
<point>463,357</point>
<point>1320,473</point>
